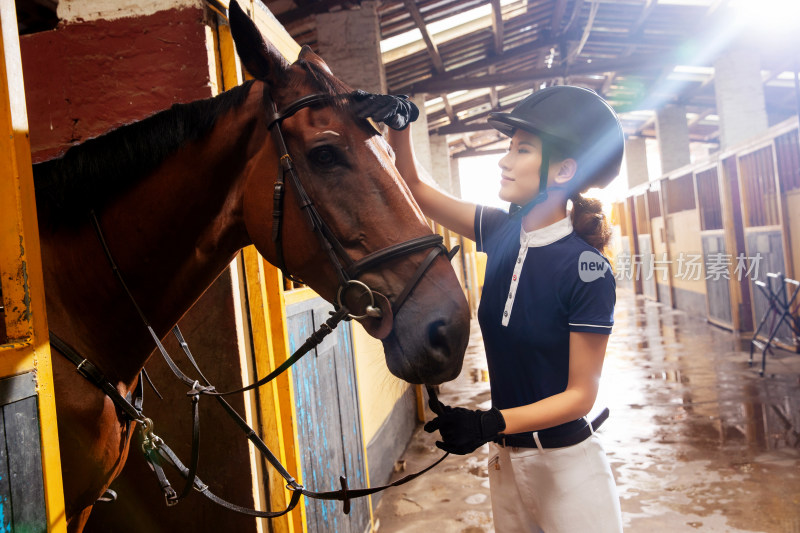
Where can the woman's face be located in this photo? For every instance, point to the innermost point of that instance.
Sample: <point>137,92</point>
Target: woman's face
<point>519,181</point>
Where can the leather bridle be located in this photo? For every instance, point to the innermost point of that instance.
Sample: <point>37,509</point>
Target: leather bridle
<point>156,452</point>
<point>347,270</point>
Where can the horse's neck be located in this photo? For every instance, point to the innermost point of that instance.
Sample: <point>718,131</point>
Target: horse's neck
<point>171,236</point>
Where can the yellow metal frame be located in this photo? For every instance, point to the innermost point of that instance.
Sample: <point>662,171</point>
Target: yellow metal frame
<point>28,346</point>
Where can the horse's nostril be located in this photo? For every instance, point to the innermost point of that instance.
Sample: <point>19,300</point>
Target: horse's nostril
<point>437,336</point>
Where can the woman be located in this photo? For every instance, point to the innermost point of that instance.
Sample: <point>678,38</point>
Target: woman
<point>546,312</point>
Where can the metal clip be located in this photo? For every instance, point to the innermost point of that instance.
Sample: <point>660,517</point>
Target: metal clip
<point>150,441</point>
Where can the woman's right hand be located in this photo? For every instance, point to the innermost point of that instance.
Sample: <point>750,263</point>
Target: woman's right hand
<point>451,212</point>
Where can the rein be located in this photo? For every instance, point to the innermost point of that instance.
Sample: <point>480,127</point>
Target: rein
<point>156,451</point>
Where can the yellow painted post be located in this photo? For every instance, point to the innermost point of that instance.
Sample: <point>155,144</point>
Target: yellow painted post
<point>284,412</point>
<point>267,320</point>
<point>27,348</point>
<point>275,398</point>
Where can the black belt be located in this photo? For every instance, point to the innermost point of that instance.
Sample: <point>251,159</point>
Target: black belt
<point>557,437</point>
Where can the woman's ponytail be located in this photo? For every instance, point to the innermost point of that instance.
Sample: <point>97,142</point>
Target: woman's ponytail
<point>589,221</point>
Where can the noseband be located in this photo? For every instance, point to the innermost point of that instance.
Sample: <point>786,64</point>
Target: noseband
<point>347,270</point>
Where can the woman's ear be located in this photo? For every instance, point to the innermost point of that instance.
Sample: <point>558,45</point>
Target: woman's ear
<point>566,170</point>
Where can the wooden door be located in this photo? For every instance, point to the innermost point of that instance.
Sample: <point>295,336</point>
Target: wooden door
<point>328,419</point>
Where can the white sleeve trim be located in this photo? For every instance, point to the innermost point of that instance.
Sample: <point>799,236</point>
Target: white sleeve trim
<point>590,325</point>
<point>480,227</point>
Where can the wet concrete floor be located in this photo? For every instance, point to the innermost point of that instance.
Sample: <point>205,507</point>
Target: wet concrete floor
<point>696,439</point>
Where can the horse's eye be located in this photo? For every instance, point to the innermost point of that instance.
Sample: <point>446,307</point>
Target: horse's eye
<point>324,156</point>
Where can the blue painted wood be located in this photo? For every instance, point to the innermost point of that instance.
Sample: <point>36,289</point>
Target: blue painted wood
<point>328,419</point>
<point>5,486</point>
<point>22,505</point>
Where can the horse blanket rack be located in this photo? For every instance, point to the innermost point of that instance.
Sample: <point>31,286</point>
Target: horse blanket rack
<point>782,300</point>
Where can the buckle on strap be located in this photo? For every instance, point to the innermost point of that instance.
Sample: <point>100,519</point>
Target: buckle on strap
<point>170,496</point>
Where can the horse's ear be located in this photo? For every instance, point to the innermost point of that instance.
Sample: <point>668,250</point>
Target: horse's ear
<point>261,59</point>
<point>308,55</point>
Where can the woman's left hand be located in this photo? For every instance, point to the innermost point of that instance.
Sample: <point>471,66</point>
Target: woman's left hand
<point>465,430</point>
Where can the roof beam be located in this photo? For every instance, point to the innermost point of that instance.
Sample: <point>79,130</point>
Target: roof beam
<point>448,108</point>
<point>475,152</point>
<point>700,117</point>
<point>647,124</point>
<point>433,51</point>
<point>648,8</point>
<point>607,83</point>
<point>574,16</point>
<point>493,99</point>
<point>301,12</point>
<point>438,85</point>
<point>527,49</point>
<point>558,14</point>
<point>497,27</point>
<point>463,128</point>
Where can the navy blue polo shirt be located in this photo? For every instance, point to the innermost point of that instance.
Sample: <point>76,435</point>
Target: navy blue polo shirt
<point>539,286</point>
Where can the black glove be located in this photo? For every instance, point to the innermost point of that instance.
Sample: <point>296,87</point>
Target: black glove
<point>397,112</point>
<point>464,430</point>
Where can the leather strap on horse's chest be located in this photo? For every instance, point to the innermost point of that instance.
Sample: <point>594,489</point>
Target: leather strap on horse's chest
<point>133,411</point>
<point>345,494</point>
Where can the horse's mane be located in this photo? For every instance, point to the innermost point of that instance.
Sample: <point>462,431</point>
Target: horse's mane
<point>90,174</point>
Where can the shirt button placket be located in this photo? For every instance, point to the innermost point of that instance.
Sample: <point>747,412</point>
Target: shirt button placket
<point>515,281</point>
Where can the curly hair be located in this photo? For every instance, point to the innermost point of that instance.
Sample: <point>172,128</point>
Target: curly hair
<point>589,221</point>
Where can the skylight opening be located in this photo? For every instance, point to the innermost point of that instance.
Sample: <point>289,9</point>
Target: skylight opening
<point>691,69</point>
<point>697,3</point>
<point>441,26</point>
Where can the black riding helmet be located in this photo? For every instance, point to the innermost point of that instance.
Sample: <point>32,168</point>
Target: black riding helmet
<point>575,122</point>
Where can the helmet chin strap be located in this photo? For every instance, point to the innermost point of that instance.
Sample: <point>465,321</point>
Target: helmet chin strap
<point>544,171</point>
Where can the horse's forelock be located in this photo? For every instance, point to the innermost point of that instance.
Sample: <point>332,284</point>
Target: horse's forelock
<point>322,81</point>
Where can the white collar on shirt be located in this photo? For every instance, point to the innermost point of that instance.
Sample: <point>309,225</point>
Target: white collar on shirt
<point>548,234</point>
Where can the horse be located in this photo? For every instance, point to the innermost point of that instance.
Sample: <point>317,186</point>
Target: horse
<point>179,194</point>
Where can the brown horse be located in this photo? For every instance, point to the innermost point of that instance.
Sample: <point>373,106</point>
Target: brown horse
<point>178,195</point>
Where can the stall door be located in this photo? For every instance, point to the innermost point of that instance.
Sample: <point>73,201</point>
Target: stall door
<point>765,254</point>
<point>717,283</point>
<point>763,232</point>
<point>718,261</point>
<point>648,268</point>
<point>328,419</point>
